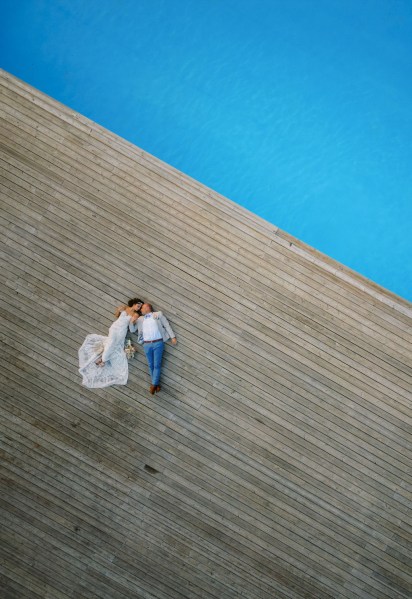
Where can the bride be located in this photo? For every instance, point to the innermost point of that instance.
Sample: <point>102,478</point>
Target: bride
<point>102,360</point>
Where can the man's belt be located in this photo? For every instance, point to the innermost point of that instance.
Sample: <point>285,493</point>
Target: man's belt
<point>154,341</point>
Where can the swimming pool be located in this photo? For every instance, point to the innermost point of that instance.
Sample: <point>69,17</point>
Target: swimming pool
<point>298,111</point>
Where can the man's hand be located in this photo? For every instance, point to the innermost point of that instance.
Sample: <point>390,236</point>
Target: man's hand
<point>174,341</point>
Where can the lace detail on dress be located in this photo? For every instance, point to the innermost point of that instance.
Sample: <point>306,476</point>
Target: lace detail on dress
<point>111,349</point>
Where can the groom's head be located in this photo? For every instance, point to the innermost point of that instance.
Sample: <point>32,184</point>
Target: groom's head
<point>146,309</point>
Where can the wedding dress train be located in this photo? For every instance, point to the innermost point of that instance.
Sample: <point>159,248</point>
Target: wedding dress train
<point>111,350</point>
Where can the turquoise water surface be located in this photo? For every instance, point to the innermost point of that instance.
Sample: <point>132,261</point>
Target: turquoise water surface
<point>299,110</point>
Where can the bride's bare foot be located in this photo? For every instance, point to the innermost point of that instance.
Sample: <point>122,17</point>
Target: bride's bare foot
<point>99,362</point>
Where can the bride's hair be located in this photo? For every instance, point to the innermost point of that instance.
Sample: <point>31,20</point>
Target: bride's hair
<point>119,310</point>
<point>133,301</point>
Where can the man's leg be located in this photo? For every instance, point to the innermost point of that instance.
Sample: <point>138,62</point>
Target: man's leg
<point>148,350</point>
<point>157,361</point>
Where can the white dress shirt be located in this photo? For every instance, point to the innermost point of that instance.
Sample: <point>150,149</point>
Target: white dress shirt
<point>151,330</point>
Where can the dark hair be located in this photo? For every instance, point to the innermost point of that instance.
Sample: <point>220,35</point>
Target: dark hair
<point>133,301</point>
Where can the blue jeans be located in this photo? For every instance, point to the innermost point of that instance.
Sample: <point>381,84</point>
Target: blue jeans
<point>154,355</point>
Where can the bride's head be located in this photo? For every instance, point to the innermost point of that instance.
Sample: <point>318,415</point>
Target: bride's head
<point>135,303</point>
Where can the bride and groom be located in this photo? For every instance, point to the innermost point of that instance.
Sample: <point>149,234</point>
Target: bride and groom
<point>103,361</point>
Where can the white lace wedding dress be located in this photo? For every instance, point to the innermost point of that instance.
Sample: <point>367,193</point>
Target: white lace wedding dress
<point>111,350</point>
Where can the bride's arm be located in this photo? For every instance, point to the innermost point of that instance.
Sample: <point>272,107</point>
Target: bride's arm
<point>119,310</point>
<point>133,324</point>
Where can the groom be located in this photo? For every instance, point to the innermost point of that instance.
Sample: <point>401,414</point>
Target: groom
<point>152,331</point>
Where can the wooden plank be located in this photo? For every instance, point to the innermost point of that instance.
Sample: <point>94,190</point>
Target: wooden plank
<point>308,450</point>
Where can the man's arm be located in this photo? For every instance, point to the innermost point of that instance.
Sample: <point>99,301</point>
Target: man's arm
<point>168,328</point>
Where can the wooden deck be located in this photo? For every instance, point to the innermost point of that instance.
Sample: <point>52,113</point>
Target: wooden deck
<point>276,462</point>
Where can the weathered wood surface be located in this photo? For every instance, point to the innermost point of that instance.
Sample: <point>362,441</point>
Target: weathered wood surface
<point>282,436</point>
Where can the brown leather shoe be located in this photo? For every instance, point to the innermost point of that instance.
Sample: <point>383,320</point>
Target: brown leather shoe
<point>158,388</point>
<point>152,389</point>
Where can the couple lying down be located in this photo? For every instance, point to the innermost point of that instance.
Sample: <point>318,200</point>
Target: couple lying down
<point>103,361</point>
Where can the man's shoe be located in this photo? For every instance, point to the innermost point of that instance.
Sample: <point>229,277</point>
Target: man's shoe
<point>158,387</point>
<point>152,389</point>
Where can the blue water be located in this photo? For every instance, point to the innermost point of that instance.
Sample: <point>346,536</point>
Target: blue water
<point>300,110</point>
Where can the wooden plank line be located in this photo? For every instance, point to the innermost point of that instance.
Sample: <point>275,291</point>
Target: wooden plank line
<point>394,478</point>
